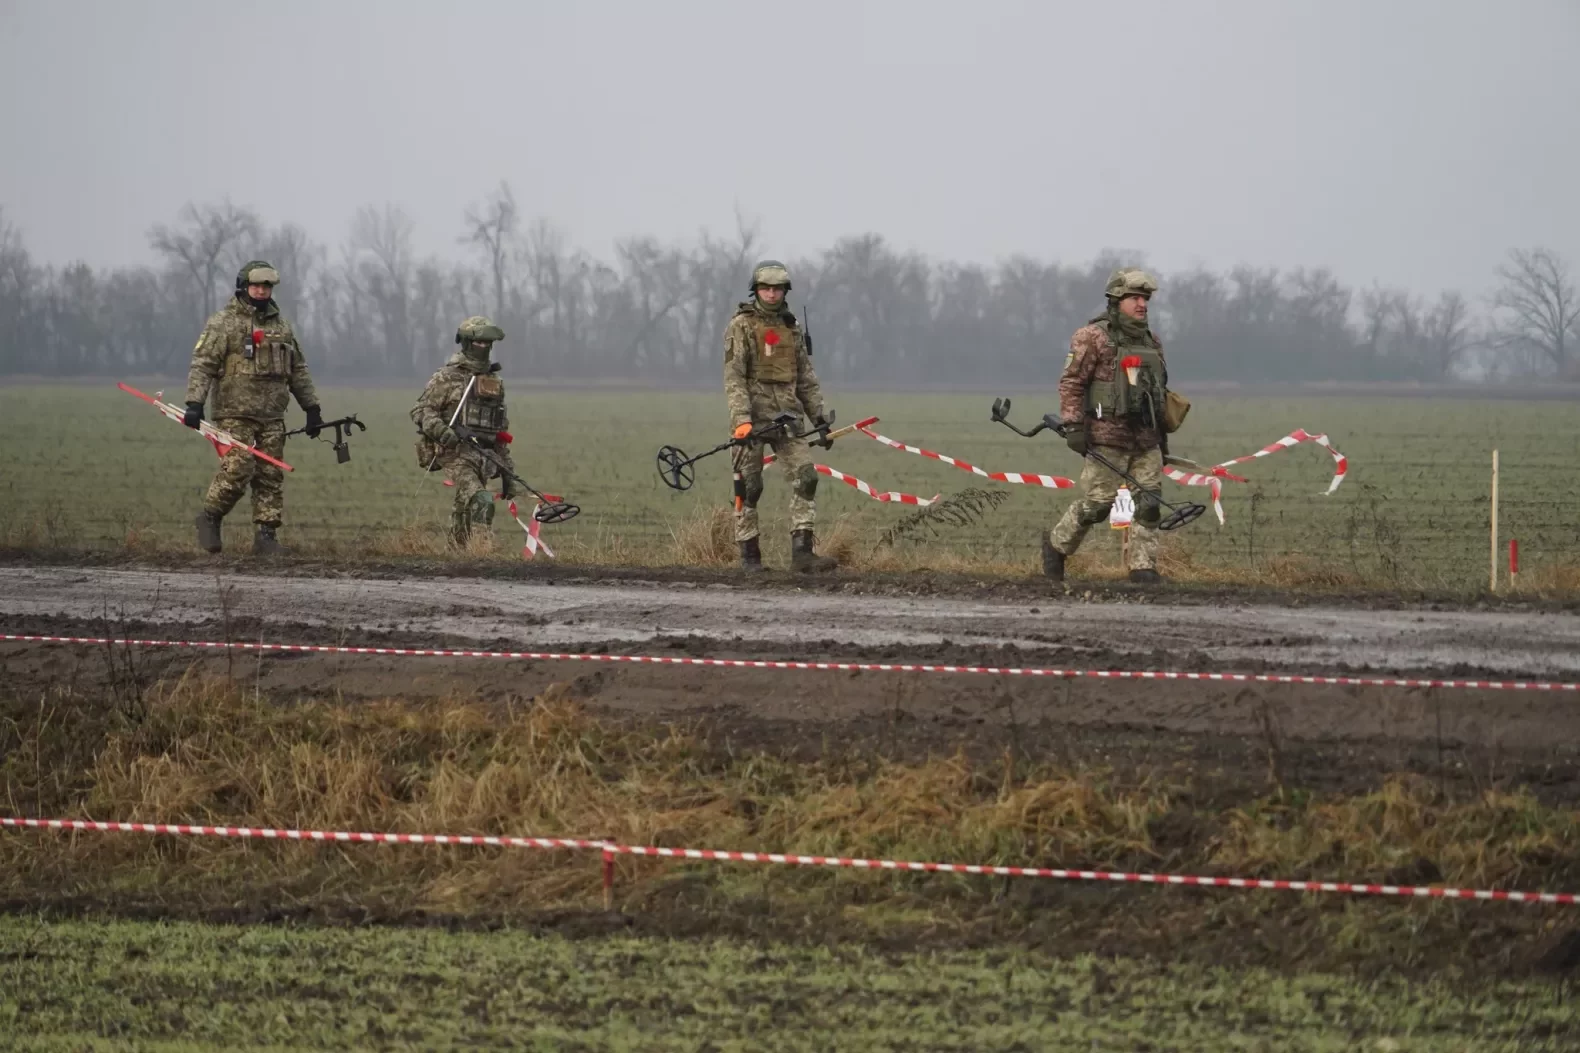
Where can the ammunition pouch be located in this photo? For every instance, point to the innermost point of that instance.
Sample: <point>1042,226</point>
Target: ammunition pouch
<point>1175,407</point>
<point>428,454</point>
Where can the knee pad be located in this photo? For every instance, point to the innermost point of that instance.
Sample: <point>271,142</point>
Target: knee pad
<point>754,490</point>
<point>481,507</point>
<point>1148,511</point>
<point>1091,513</point>
<point>806,482</point>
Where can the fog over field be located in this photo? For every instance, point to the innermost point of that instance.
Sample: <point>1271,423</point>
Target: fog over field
<point>1334,192</point>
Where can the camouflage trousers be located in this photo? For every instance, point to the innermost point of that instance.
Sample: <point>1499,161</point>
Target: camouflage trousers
<point>794,459</point>
<point>470,472</point>
<point>1099,487</point>
<point>238,468</point>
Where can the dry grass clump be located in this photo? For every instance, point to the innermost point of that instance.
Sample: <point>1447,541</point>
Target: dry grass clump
<point>706,538</point>
<point>203,751</point>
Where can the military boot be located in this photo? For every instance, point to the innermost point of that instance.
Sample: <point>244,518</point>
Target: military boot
<point>751,556</point>
<point>1052,559</point>
<point>1145,576</point>
<point>264,543</point>
<point>803,560</point>
<point>208,532</point>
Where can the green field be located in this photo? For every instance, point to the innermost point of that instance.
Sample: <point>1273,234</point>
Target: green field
<point>185,986</point>
<point>90,466</point>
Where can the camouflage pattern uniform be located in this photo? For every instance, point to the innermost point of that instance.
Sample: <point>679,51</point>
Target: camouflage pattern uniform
<point>252,381</point>
<point>483,414</point>
<point>768,372</point>
<point>1131,438</point>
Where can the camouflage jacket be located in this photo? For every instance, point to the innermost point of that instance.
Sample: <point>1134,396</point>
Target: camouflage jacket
<point>484,411</point>
<point>1093,357</point>
<point>767,367</point>
<point>251,361</point>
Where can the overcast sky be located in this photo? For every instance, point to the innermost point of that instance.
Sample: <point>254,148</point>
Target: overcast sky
<point>1410,142</point>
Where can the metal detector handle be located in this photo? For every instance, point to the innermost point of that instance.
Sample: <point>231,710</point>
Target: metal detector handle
<point>1001,415</point>
<point>822,430</point>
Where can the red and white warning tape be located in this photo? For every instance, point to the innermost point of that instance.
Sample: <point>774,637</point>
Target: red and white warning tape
<point>785,859</point>
<point>1214,476</point>
<point>270,834</point>
<point>1055,482</point>
<point>532,527</point>
<point>838,667</point>
<point>891,496</point>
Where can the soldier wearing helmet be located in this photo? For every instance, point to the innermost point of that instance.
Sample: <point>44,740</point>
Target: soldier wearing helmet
<point>470,383</point>
<point>1112,398</point>
<point>767,372</point>
<point>248,358</point>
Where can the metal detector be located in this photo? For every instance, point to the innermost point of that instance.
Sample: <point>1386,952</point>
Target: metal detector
<point>550,509</point>
<point>342,441</point>
<point>1178,515</point>
<point>675,468</point>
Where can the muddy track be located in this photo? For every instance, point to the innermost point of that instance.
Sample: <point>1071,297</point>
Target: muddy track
<point>1228,739</point>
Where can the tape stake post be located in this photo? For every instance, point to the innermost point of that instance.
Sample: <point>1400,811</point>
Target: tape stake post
<point>1514,561</point>
<point>1492,585</point>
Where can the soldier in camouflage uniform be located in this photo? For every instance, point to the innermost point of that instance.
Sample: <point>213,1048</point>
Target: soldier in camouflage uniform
<point>1120,418</point>
<point>248,356</point>
<point>767,372</point>
<point>441,446</point>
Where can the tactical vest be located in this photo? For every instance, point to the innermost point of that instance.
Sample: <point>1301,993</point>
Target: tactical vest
<point>273,356</point>
<point>1118,397</point>
<point>774,353</point>
<point>484,411</point>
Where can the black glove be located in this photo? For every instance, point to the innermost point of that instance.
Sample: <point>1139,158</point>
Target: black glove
<point>462,432</point>
<point>1075,436</point>
<point>507,487</point>
<point>315,421</point>
<point>193,416</point>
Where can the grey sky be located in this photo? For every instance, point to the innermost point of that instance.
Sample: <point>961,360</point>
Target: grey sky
<point>1410,142</point>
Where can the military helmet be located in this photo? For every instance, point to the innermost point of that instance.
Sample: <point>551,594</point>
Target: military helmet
<point>1130,281</point>
<point>478,327</point>
<point>770,272</point>
<point>256,272</point>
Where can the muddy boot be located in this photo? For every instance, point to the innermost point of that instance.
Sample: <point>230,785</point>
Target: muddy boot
<point>1052,559</point>
<point>751,556</point>
<point>1145,576</point>
<point>803,560</point>
<point>264,543</point>
<point>208,532</point>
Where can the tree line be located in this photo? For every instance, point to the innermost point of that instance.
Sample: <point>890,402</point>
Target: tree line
<point>653,313</point>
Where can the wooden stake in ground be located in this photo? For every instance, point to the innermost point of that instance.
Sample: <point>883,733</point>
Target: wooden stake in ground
<point>1493,587</point>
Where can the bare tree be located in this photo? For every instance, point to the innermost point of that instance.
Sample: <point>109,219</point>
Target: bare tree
<point>379,268</point>
<point>492,227</point>
<point>1446,336</point>
<point>204,242</point>
<point>1540,313</point>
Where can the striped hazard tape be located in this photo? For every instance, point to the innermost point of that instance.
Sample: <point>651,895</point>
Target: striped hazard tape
<point>1213,477</point>
<point>1055,482</point>
<point>891,496</point>
<point>839,667</point>
<point>786,859</point>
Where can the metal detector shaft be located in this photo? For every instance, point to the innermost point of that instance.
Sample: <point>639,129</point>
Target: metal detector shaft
<point>552,510</point>
<point>1180,514</point>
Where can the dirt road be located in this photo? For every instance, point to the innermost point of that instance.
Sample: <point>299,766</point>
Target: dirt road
<point>1324,734</point>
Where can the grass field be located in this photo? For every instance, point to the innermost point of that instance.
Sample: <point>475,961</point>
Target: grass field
<point>90,466</point>
<point>182,986</point>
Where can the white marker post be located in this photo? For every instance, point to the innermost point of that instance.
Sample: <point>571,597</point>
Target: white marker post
<point>1493,587</point>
